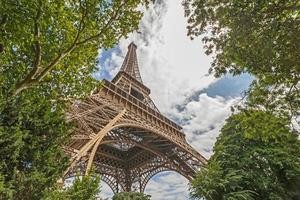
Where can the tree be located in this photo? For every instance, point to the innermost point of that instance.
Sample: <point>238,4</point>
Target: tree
<point>48,53</point>
<point>50,40</point>
<point>131,196</point>
<point>257,37</point>
<point>255,157</point>
<point>32,130</point>
<point>255,153</point>
<point>82,188</point>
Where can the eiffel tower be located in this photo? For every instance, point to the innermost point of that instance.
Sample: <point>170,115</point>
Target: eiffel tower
<point>121,133</point>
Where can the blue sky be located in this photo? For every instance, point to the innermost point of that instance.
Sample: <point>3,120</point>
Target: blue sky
<point>105,55</point>
<point>175,69</point>
<point>229,86</point>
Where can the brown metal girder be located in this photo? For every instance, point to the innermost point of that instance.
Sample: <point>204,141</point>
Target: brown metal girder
<point>185,147</point>
<point>140,160</point>
<point>142,147</point>
<point>100,136</point>
<point>111,182</point>
<point>105,160</point>
<point>136,144</point>
<point>108,156</point>
<point>188,168</point>
<point>84,113</point>
<point>93,143</point>
<point>115,176</point>
<point>81,137</point>
<point>113,152</point>
<point>162,156</point>
<point>109,87</point>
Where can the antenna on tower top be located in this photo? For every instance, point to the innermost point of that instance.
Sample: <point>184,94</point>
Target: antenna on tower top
<point>130,63</point>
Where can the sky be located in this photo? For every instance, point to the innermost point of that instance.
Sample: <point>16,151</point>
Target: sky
<point>175,68</point>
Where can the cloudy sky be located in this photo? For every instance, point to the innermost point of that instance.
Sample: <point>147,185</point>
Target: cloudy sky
<point>175,69</point>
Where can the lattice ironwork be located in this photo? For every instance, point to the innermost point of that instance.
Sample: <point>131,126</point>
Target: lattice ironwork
<point>122,134</point>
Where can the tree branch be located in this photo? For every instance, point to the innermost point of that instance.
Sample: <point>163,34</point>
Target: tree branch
<point>3,21</point>
<point>38,54</point>
<point>30,80</point>
<point>54,62</point>
<point>76,44</point>
<point>68,50</point>
<point>114,17</point>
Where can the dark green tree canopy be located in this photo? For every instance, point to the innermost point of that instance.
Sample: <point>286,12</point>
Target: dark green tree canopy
<point>252,36</point>
<point>48,53</point>
<point>131,196</point>
<point>32,128</point>
<point>255,157</point>
<point>82,188</point>
<point>59,40</point>
<point>258,37</point>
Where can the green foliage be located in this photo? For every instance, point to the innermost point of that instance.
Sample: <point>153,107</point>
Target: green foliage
<point>32,128</point>
<point>131,196</point>
<point>83,188</point>
<point>256,157</point>
<point>48,53</point>
<point>263,126</point>
<point>59,40</point>
<point>257,37</point>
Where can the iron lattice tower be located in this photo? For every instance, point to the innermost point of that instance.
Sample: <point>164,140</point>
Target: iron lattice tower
<point>123,135</point>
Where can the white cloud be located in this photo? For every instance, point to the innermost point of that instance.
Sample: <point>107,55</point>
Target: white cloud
<point>162,187</point>
<point>106,192</point>
<point>202,120</point>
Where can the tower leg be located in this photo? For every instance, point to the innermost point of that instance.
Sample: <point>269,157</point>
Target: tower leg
<point>100,136</point>
<point>94,142</point>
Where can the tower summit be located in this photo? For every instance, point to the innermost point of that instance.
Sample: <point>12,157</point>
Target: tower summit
<point>129,78</point>
<point>120,132</point>
<point>130,63</point>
